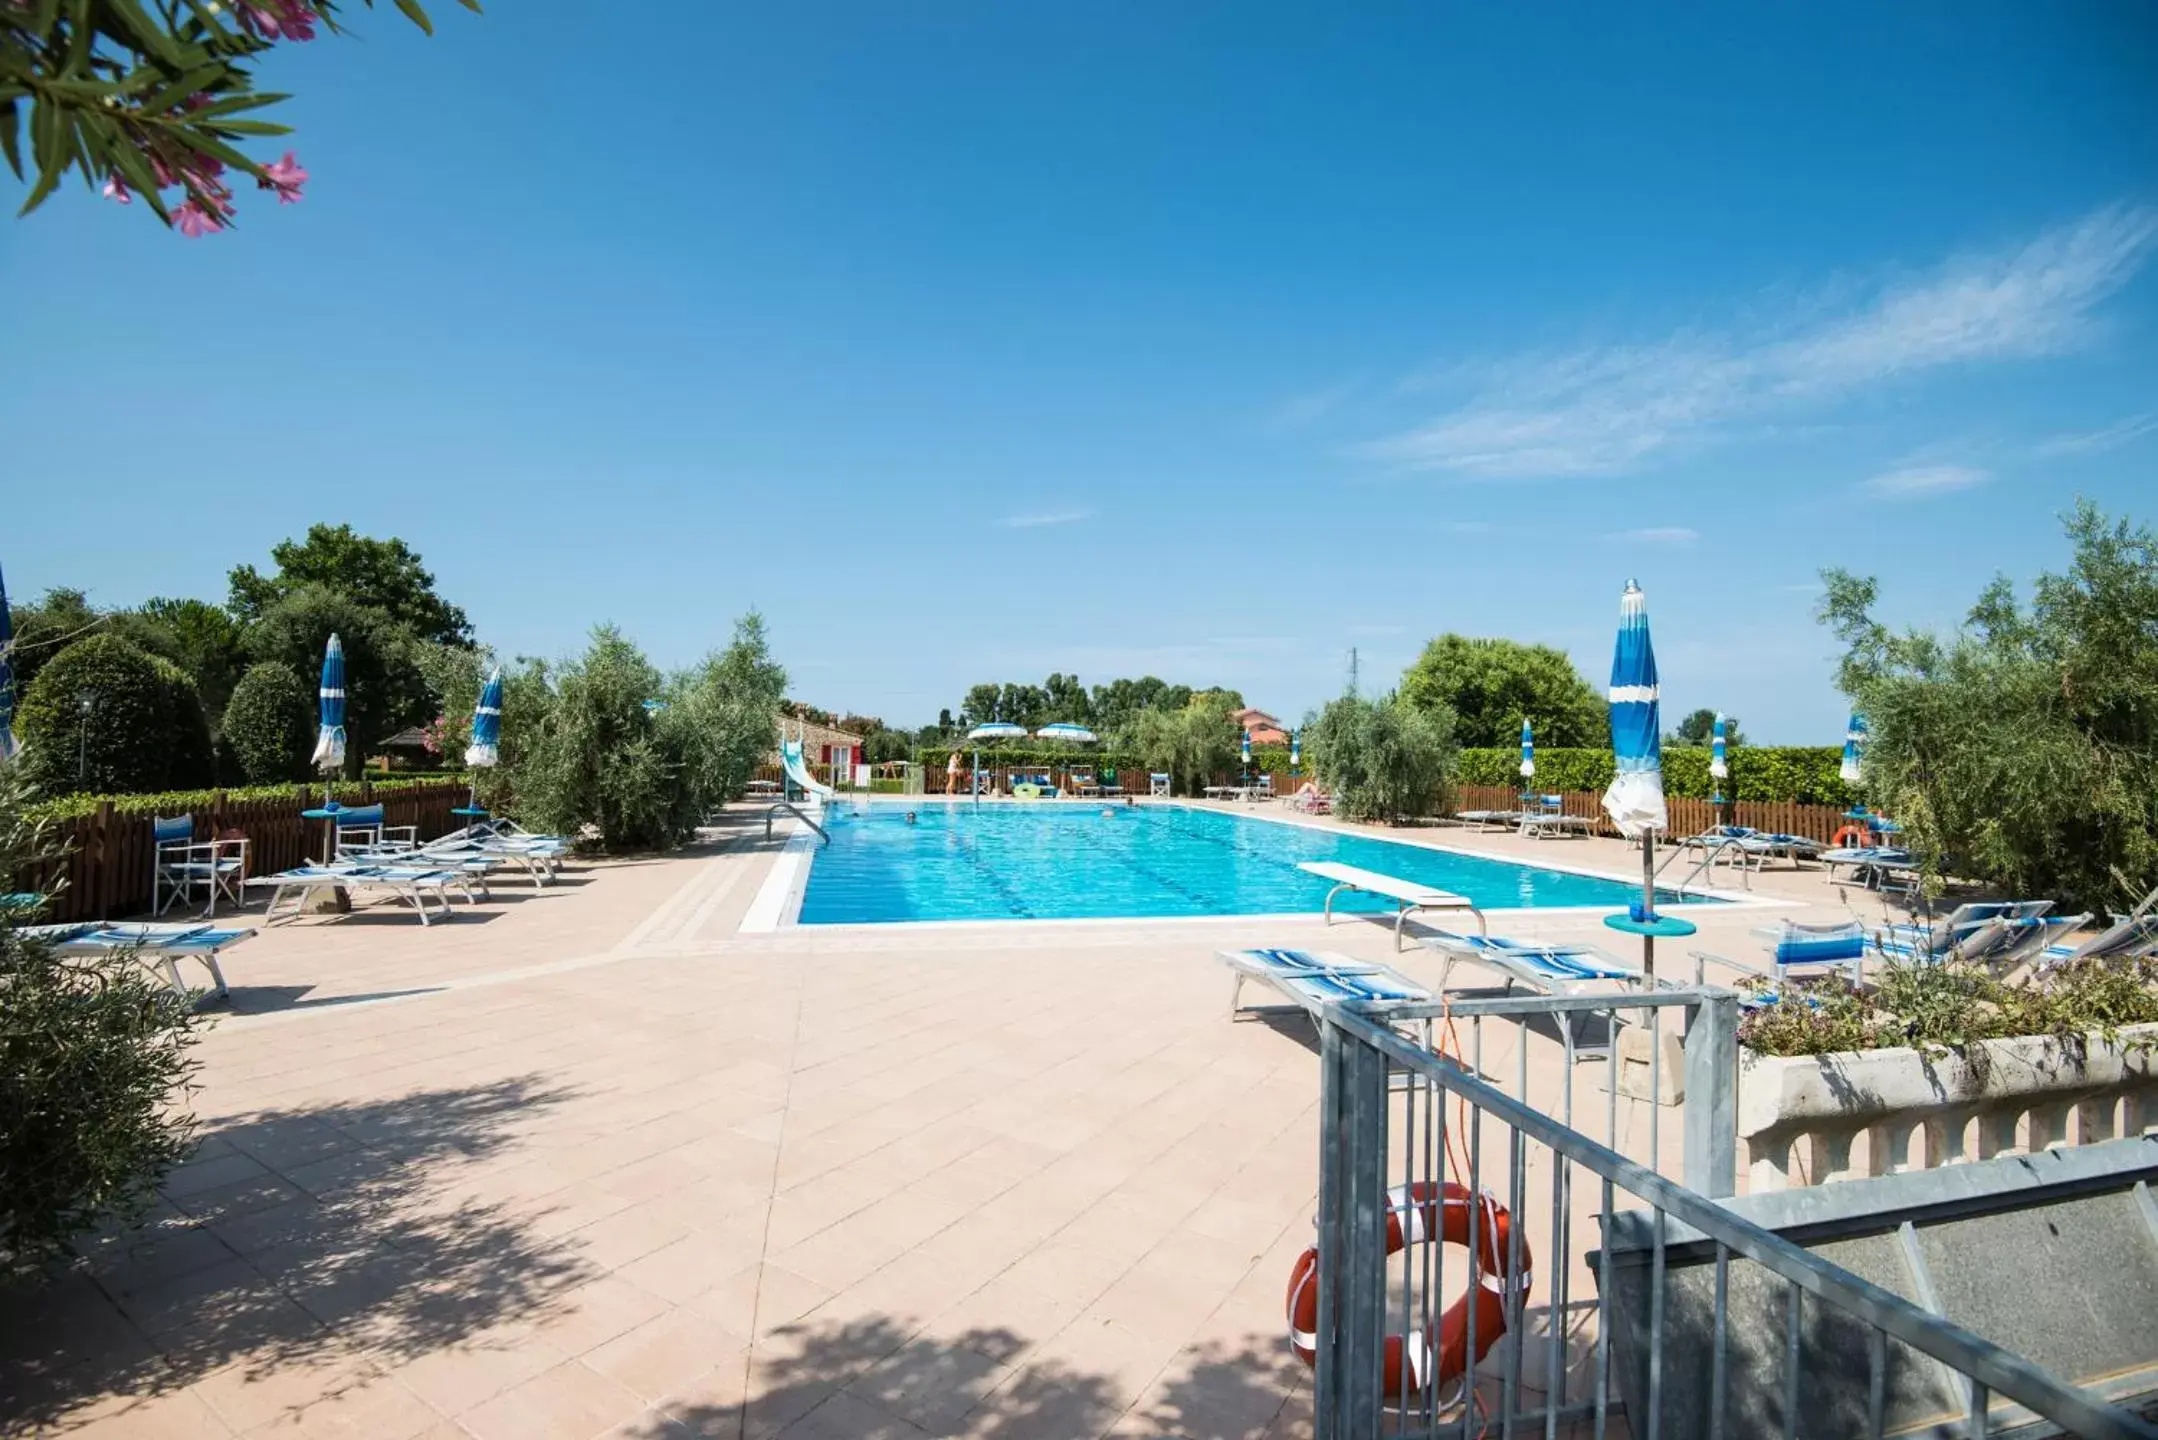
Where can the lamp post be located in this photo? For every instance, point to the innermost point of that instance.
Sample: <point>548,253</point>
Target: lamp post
<point>85,703</point>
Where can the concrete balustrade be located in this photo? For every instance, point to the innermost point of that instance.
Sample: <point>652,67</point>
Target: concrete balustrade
<point>1816,1119</point>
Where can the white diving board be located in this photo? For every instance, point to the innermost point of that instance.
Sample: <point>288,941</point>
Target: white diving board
<point>1406,894</point>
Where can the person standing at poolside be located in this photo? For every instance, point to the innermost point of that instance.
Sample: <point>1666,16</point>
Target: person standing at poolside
<point>951,774</point>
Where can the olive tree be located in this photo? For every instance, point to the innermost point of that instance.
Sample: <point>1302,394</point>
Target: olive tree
<point>93,1066</point>
<point>2022,748</point>
<point>1382,759</point>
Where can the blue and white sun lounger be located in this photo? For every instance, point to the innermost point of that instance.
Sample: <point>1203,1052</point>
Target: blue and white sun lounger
<point>1553,969</point>
<point>1314,978</point>
<point>161,947</point>
<point>1561,969</point>
<point>413,884</point>
<point>2135,938</point>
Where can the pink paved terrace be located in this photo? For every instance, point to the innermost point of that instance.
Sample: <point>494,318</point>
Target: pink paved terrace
<point>590,1162</point>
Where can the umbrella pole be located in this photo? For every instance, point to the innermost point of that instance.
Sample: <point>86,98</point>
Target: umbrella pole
<point>1648,903</point>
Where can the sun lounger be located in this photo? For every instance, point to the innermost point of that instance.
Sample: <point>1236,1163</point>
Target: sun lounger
<point>1313,979</point>
<point>413,884</point>
<point>1561,969</point>
<point>1311,800</point>
<point>161,947</point>
<point>2130,937</point>
<point>1489,819</point>
<point>1868,864</point>
<point>1407,895</point>
<point>1541,818</point>
<point>1996,934</point>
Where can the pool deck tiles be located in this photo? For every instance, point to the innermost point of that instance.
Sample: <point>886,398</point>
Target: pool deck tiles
<point>589,1161</point>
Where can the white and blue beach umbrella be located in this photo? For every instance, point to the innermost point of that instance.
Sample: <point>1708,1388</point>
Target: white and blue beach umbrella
<point>1854,749</point>
<point>330,739</point>
<point>1247,747</point>
<point>1065,730</point>
<point>7,679</point>
<point>997,730</point>
<point>1719,758</point>
<point>1528,750</point>
<point>1635,800</point>
<point>1296,749</point>
<point>486,746</point>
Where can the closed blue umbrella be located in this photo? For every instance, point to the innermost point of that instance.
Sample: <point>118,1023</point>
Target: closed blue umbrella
<point>1247,747</point>
<point>7,679</point>
<point>1635,799</point>
<point>1528,751</point>
<point>1854,749</point>
<point>330,739</point>
<point>1296,751</point>
<point>1719,760</point>
<point>486,746</point>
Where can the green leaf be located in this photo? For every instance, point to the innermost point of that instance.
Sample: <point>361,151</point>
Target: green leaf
<point>416,15</point>
<point>473,6</point>
<point>176,91</point>
<point>234,104</point>
<point>10,134</point>
<point>250,127</point>
<point>50,141</point>
<point>151,37</point>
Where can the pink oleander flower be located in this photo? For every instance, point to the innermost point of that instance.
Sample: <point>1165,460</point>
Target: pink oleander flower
<point>285,177</point>
<point>278,19</point>
<point>165,177</point>
<point>116,189</point>
<point>195,222</point>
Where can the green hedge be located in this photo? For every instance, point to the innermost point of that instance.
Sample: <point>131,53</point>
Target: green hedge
<point>1805,774</point>
<point>172,802</point>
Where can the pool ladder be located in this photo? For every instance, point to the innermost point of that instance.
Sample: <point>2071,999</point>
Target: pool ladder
<point>791,809</point>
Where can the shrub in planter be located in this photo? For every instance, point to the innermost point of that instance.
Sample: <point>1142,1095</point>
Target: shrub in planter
<point>270,723</point>
<point>93,1053</point>
<point>144,729</point>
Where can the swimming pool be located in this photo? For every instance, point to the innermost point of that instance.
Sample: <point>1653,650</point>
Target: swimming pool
<point>1070,862</point>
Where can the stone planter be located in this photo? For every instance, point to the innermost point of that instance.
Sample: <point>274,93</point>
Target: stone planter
<point>1803,1116</point>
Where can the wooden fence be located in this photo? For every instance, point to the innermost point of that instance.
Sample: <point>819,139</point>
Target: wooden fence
<point>1688,817</point>
<point>109,854</point>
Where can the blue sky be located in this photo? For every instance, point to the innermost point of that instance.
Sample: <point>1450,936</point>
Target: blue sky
<point>972,341</point>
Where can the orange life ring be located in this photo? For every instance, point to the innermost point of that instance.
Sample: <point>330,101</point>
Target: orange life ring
<point>1421,1213</point>
<point>1856,837</point>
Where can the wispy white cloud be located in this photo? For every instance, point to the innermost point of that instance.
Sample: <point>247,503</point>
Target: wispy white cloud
<point>1051,517</point>
<point>1609,409</point>
<point>2091,442</point>
<point>1656,535</point>
<point>1916,481</point>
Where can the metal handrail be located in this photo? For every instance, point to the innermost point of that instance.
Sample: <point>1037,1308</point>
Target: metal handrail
<point>791,809</point>
<point>2000,1370</point>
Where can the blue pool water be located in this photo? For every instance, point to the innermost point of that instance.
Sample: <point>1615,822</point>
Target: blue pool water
<point>1027,862</point>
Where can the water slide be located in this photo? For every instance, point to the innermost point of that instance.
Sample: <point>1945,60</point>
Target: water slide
<point>790,760</point>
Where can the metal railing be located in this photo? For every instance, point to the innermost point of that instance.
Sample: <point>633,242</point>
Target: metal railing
<point>1636,1336</point>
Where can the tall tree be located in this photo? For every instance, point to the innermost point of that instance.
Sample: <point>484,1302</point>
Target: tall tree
<point>1492,685</point>
<point>384,689</point>
<point>206,642</point>
<point>385,575</point>
<point>1699,727</point>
